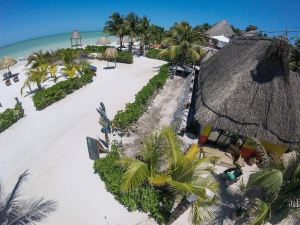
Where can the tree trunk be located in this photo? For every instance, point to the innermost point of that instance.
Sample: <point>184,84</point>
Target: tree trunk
<point>179,210</point>
<point>142,49</point>
<point>39,86</point>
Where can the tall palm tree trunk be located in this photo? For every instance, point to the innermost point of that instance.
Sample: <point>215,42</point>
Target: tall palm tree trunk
<point>179,210</point>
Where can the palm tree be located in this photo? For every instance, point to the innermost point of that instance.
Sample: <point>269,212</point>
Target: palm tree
<point>184,53</point>
<point>143,33</point>
<point>70,70</point>
<point>280,185</point>
<point>36,59</point>
<point>52,69</point>
<point>133,21</point>
<point>163,166</point>
<point>117,25</point>
<point>14,210</point>
<point>37,76</point>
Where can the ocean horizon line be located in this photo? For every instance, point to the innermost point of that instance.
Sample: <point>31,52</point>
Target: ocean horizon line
<point>46,36</point>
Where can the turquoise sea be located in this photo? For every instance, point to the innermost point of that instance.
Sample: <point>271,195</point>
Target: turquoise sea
<point>25,48</point>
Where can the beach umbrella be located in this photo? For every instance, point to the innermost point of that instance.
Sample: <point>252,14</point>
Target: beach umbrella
<point>6,62</point>
<point>103,41</point>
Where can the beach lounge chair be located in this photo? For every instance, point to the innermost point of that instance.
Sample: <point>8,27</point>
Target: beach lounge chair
<point>7,82</point>
<point>16,78</point>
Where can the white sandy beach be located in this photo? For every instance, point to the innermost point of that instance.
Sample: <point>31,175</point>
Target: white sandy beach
<point>51,144</point>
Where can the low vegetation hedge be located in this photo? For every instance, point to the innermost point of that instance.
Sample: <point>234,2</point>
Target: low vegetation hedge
<point>46,97</point>
<point>124,57</point>
<point>10,116</point>
<point>133,111</point>
<point>145,199</point>
<point>153,53</point>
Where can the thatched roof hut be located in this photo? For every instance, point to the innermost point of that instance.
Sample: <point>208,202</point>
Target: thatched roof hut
<point>246,88</point>
<point>222,28</point>
<point>103,41</point>
<point>6,62</point>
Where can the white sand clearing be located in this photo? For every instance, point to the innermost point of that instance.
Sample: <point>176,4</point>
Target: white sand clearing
<point>52,144</point>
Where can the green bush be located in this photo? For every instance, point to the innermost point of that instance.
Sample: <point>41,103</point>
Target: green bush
<point>153,53</point>
<point>46,97</point>
<point>124,57</point>
<point>95,49</point>
<point>145,199</point>
<point>134,110</point>
<point>10,116</point>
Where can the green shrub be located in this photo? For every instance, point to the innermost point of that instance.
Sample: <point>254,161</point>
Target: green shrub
<point>10,116</point>
<point>95,49</point>
<point>145,199</point>
<point>124,57</point>
<point>153,53</point>
<point>134,110</point>
<point>48,96</point>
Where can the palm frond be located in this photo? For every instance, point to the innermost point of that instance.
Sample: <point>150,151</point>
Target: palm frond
<point>173,147</point>
<point>31,211</point>
<point>159,179</point>
<point>202,211</point>
<point>269,179</point>
<point>262,213</point>
<point>136,174</point>
<point>12,199</point>
<point>192,153</point>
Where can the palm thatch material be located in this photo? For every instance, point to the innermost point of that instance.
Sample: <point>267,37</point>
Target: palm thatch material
<point>246,88</point>
<point>6,62</point>
<point>222,28</point>
<point>110,53</point>
<point>75,35</point>
<point>103,41</point>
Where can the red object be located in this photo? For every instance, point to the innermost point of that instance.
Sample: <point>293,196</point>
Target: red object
<point>247,152</point>
<point>202,139</point>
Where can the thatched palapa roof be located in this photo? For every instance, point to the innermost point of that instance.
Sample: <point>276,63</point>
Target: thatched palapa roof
<point>246,88</point>
<point>6,62</point>
<point>75,35</point>
<point>221,28</point>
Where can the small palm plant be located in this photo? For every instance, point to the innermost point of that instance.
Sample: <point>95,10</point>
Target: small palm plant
<point>14,210</point>
<point>280,183</point>
<point>163,166</point>
<point>52,69</point>
<point>70,70</point>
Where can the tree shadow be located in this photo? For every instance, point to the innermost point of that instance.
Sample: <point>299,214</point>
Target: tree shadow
<point>109,67</point>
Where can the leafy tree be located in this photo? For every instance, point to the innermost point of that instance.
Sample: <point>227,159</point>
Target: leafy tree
<point>162,165</point>
<point>237,31</point>
<point>280,185</point>
<point>14,210</point>
<point>117,25</point>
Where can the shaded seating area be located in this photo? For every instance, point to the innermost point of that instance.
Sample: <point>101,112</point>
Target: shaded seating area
<point>247,107</point>
<point>8,76</point>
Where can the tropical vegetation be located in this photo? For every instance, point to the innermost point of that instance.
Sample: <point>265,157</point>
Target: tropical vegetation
<point>133,111</point>
<point>145,198</point>
<point>16,210</point>
<point>11,116</point>
<point>279,183</point>
<point>48,96</point>
<point>185,179</point>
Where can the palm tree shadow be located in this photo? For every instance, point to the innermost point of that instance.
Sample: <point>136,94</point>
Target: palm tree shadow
<point>16,210</point>
<point>31,92</point>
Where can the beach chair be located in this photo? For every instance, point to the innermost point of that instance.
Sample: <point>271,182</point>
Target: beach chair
<point>16,78</point>
<point>7,82</point>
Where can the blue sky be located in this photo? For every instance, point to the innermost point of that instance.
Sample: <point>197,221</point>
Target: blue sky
<point>26,19</point>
